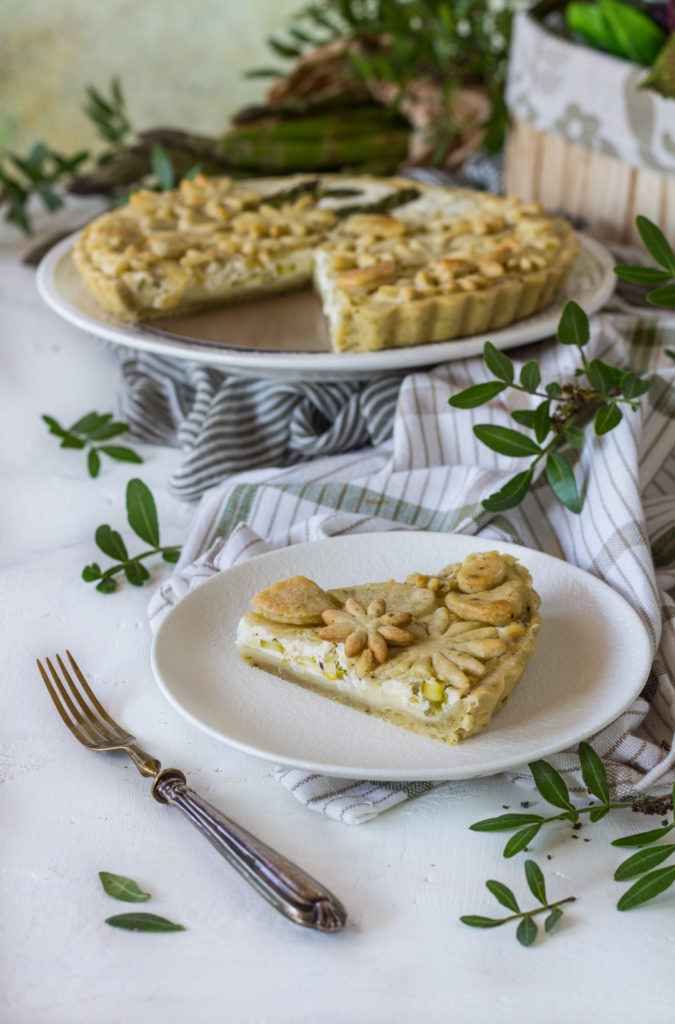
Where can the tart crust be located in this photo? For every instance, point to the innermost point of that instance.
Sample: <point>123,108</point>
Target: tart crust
<point>430,264</point>
<point>435,655</point>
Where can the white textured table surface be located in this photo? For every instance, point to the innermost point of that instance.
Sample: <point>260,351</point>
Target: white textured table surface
<point>67,814</point>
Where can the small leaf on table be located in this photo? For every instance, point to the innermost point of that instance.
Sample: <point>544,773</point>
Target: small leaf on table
<point>111,543</point>
<point>506,822</point>
<point>141,922</point>
<point>503,894</point>
<point>551,785</point>
<point>526,932</point>
<point>122,888</point>
<point>593,772</point>
<point>142,512</point>
<point>520,840</point>
<point>119,452</point>
<point>535,880</point>
<point>644,838</point>
<point>643,860</point>
<point>477,921</point>
<point>647,888</point>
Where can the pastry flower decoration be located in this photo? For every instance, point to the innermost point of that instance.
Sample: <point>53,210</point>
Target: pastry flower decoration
<point>367,633</point>
<point>454,652</point>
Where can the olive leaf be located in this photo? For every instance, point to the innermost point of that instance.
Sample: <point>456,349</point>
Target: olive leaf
<point>142,512</point>
<point>476,395</point>
<point>647,887</point>
<point>606,418</point>
<point>121,888</point>
<point>498,363</point>
<point>643,838</point>
<point>521,840</point>
<point>656,243</point>
<point>511,494</point>
<point>506,441</point>
<point>503,894</point>
<point>142,922</point>
<point>535,880</point>
<point>643,860</point>
<point>593,772</point>
<point>560,476</point>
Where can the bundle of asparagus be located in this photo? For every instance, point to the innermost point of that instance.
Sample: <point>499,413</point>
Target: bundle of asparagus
<point>322,136</point>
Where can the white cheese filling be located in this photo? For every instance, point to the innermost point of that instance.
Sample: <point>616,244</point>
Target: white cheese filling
<point>326,665</point>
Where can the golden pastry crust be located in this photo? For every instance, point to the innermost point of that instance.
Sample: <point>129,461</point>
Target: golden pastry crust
<point>439,662</point>
<point>443,264</point>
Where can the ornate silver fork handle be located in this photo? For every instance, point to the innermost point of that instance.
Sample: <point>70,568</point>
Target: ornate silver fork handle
<point>286,886</point>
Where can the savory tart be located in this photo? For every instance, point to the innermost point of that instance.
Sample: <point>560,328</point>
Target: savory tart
<point>395,263</point>
<point>437,655</point>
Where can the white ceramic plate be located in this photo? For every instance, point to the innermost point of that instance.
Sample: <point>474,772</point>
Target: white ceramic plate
<point>592,658</point>
<point>286,336</point>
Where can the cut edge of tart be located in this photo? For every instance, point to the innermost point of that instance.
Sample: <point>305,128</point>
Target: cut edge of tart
<point>395,263</point>
<point>436,655</point>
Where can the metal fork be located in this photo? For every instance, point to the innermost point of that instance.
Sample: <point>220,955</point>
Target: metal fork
<point>286,886</point>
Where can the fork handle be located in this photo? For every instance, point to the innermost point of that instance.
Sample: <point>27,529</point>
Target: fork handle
<point>286,886</point>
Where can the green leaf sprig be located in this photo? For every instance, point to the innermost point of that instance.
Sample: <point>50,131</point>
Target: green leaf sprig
<point>122,888</point>
<point>142,518</point>
<point>37,174</point>
<point>527,930</point>
<point>647,859</point>
<point>552,787</point>
<point>556,421</point>
<point>90,433</point>
<point>109,117</point>
<point>43,170</point>
<point>661,251</point>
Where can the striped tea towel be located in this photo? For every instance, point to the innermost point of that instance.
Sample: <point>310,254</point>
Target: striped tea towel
<point>225,423</point>
<point>432,475</point>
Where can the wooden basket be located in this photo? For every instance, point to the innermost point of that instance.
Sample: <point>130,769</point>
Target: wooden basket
<point>635,174</point>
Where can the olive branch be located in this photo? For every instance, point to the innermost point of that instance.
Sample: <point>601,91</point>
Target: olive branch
<point>600,392</point>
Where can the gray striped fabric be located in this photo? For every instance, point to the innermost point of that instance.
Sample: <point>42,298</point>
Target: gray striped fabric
<point>225,423</point>
<point>432,474</point>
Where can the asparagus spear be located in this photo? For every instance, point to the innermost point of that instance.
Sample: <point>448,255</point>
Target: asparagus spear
<point>390,202</point>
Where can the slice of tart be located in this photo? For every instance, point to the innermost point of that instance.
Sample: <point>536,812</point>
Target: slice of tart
<point>395,263</point>
<point>437,655</point>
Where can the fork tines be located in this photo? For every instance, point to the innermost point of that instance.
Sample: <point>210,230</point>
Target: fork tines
<point>84,715</point>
